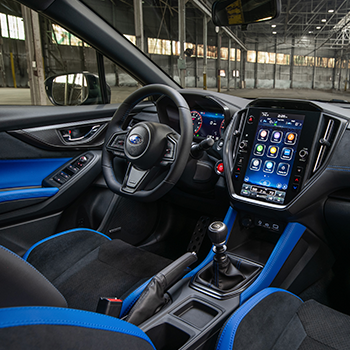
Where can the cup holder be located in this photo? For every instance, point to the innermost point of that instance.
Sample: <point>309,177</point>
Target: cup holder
<point>167,337</point>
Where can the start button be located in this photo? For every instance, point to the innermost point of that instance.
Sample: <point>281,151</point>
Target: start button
<point>219,168</point>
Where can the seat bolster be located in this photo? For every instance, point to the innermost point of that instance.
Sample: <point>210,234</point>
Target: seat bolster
<point>52,316</point>
<point>23,285</point>
<point>250,332</point>
<point>26,255</point>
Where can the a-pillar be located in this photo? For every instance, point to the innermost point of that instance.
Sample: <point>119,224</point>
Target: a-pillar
<point>206,19</point>
<point>138,19</point>
<point>34,53</point>
<point>182,39</point>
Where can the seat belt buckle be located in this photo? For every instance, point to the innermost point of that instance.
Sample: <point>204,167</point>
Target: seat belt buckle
<point>109,306</point>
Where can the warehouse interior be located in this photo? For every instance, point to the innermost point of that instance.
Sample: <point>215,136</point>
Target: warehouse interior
<point>306,47</point>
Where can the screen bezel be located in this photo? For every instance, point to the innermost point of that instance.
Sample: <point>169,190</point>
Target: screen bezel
<point>248,133</point>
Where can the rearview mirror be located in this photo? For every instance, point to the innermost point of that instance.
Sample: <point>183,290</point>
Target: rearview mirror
<point>74,89</point>
<point>237,12</point>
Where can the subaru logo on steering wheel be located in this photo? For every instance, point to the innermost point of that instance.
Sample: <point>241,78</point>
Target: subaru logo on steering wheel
<point>135,139</point>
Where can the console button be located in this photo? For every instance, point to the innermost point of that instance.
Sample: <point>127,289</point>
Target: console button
<point>299,170</point>
<point>246,187</point>
<point>61,180</point>
<point>220,168</point>
<point>275,227</point>
<point>73,168</point>
<point>240,161</point>
<point>236,177</point>
<point>296,179</point>
<point>245,193</point>
<point>250,120</point>
<point>295,187</point>
<point>64,175</point>
<point>280,194</point>
<point>278,200</point>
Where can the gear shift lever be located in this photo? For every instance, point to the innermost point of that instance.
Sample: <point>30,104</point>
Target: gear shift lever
<point>225,274</point>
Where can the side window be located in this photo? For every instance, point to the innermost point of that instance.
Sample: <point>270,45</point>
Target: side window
<point>41,63</point>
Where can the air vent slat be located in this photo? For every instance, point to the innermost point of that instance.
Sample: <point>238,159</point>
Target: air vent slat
<point>325,143</point>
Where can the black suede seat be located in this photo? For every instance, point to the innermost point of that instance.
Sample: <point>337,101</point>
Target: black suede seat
<point>278,320</point>
<point>82,264</point>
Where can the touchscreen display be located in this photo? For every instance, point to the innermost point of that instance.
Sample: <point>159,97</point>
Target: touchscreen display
<point>272,156</point>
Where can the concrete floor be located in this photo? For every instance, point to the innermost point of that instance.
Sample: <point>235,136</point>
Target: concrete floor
<point>21,96</point>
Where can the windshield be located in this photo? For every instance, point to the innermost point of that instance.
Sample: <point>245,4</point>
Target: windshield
<point>304,49</point>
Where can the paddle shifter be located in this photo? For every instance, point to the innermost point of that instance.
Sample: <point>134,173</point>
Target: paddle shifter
<point>224,274</point>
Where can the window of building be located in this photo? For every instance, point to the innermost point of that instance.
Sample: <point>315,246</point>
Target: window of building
<point>12,27</point>
<point>251,56</point>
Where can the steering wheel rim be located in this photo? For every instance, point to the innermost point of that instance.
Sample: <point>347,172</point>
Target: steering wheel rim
<point>118,126</point>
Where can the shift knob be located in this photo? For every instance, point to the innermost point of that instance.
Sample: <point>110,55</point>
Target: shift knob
<point>217,232</point>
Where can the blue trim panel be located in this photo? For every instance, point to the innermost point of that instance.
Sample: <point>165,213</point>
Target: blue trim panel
<point>279,255</point>
<point>229,221</point>
<point>227,336</point>
<point>28,193</point>
<point>25,316</point>
<point>27,172</point>
<point>25,256</point>
<point>131,299</point>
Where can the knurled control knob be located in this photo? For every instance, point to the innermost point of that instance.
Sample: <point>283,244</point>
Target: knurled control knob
<point>243,145</point>
<point>303,153</point>
<point>217,232</point>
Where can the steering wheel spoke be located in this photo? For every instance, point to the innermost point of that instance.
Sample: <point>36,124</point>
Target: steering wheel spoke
<point>116,143</point>
<point>136,179</point>
<point>170,150</point>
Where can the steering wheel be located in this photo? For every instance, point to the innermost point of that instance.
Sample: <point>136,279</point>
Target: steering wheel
<point>156,154</point>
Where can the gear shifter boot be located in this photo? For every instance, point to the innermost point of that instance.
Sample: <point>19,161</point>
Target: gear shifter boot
<point>225,275</point>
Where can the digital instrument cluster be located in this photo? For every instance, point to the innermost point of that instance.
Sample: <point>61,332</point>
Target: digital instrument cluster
<point>208,124</point>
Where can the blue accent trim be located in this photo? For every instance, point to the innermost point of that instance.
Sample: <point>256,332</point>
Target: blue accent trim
<point>279,255</point>
<point>229,221</point>
<point>25,316</point>
<point>131,299</point>
<point>8,196</point>
<point>25,256</point>
<point>228,333</point>
<point>27,172</point>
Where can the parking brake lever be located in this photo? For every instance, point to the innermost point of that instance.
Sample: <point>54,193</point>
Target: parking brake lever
<point>153,298</point>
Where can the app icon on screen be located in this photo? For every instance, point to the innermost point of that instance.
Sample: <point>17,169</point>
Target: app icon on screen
<point>263,135</point>
<point>287,153</point>
<point>283,169</point>
<point>276,136</point>
<point>272,152</point>
<point>291,138</point>
<point>269,167</point>
<point>259,150</point>
<point>255,164</point>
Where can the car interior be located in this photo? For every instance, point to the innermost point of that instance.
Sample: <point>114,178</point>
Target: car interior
<point>178,219</point>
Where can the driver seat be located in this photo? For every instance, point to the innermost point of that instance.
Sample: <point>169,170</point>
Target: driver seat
<point>74,268</point>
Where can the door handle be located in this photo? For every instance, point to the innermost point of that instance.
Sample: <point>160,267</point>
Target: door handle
<point>79,134</point>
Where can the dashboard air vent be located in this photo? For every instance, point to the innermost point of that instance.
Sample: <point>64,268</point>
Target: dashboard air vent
<point>327,134</point>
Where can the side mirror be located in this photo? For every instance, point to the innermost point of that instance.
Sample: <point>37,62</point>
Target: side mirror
<point>74,89</point>
<point>243,12</point>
